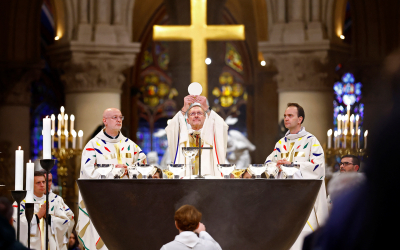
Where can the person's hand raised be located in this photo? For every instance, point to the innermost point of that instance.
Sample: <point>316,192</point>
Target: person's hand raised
<point>189,99</point>
<point>200,228</point>
<point>203,101</point>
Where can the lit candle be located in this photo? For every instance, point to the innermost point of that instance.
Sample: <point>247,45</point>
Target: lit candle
<point>46,138</point>
<point>352,136</point>
<point>52,138</point>
<point>62,115</point>
<point>357,118</point>
<point>19,169</point>
<point>80,135</point>
<point>351,121</point>
<point>358,142</point>
<point>30,169</point>
<point>59,122</point>
<point>339,121</point>
<point>72,118</point>
<point>73,132</point>
<point>344,138</point>
<point>365,139</point>
<point>348,114</point>
<point>329,138</point>
<point>66,122</point>
<point>334,139</point>
<point>66,138</point>
<point>53,122</point>
<point>59,139</point>
<point>339,134</point>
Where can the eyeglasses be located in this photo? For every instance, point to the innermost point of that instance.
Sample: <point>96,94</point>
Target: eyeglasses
<point>345,163</point>
<point>117,117</point>
<point>198,114</point>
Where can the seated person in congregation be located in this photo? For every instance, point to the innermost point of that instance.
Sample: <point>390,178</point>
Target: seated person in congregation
<point>195,120</point>
<point>187,221</point>
<point>109,146</point>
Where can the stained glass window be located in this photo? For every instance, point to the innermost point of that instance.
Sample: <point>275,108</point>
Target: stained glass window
<point>348,93</point>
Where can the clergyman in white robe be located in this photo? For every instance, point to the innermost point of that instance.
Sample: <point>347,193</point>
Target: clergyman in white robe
<point>189,240</point>
<point>58,227</point>
<point>304,149</point>
<point>213,133</point>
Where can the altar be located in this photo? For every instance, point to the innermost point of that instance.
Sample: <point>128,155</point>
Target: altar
<point>239,214</point>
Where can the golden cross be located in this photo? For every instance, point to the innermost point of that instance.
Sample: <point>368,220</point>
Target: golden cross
<point>198,33</point>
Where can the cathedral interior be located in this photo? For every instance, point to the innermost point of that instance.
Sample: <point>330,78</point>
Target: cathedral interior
<point>89,55</point>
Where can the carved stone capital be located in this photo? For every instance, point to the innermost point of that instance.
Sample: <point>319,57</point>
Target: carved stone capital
<point>92,67</point>
<point>306,67</point>
<point>16,83</point>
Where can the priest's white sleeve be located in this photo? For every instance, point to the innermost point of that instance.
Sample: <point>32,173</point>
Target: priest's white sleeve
<point>206,236</point>
<point>273,157</point>
<point>88,161</point>
<point>59,223</point>
<point>314,168</point>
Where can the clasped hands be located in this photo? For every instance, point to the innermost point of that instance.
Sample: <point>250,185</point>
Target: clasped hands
<point>189,99</point>
<point>281,162</point>
<point>122,166</point>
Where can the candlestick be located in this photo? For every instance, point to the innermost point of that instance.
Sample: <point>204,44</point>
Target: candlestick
<point>46,138</point>
<point>62,115</point>
<point>357,118</point>
<point>30,168</point>
<point>66,138</point>
<point>52,138</point>
<point>365,139</point>
<point>80,135</point>
<point>358,142</point>
<point>73,139</point>
<point>329,138</point>
<point>19,169</point>
<point>59,145</point>
<point>344,138</point>
<point>339,118</point>
<point>352,137</point>
<point>72,118</point>
<point>66,121</point>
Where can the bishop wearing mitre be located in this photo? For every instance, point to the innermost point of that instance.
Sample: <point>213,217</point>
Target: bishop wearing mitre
<point>194,121</point>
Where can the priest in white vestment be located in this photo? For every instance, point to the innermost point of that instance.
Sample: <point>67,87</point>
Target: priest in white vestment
<point>300,147</point>
<point>109,146</point>
<point>59,221</point>
<point>196,120</point>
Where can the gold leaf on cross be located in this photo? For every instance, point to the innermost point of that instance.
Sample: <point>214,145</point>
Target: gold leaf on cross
<point>198,33</point>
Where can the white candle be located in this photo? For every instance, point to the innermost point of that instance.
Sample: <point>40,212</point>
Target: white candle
<point>59,145</point>
<point>329,138</point>
<point>339,121</point>
<point>73,139</point>
<point>339,135</point>
<point>358,142</point>
<point>19,169</point>
<point>357,118</point>
<point>351,121</point>
<point>52,138</point>
<point>62,115</point>
<point>66,122</point>
<point>53,122</point>
<point>348,115</point>
<point>335,139</point>
<point>352,137</point>
<point>344,138</point>
<point>59,122</point>
<point>72,118</point>
<point>365,139</point>
<point>66,138</point>
<point>30,168</point>
<point>46,138</point>
<point>80,135</point>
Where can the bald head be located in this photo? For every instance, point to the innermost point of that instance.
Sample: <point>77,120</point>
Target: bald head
<point>112,119</point>
<point>110,111</point>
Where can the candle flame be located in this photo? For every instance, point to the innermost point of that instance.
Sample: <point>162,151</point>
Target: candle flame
<point>80,133</point>
<point>59,117</point>
<point>339,131</point>
<point>59,132</point>
<point>335,134</point>
<point>62,109</point>
<point>47,116</point>
<point>19,148</point>
<point>359,132</point>
<point>345,132</point>
<point>73,132</point>
<point>357,117</point>
<point>30,161</point>
<point>72,118</point>
<point>352,131</point>
<point>348,107</point>
<point>352,118</point>
<point>52,132</point>
<point>365,133</point>
<point>339,117</point>
<point>53,117</point>
<point>329,132</point>
<point>66,117</point>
